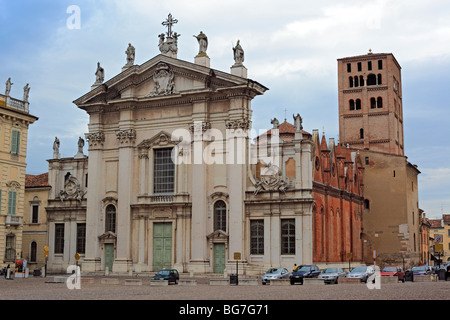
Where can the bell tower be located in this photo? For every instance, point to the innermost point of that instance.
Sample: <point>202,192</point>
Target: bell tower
<point>370,103</point>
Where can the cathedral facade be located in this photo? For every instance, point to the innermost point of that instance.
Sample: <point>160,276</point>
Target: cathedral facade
<point>173,179</point>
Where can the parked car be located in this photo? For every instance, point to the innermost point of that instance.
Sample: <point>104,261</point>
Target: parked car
<point>331,275</point>
<point>167,274</point>
<point>304,271</point>
<point>420,270</point>
<point>393,271</point>
<point>275,273</point>
<point>361,272</point>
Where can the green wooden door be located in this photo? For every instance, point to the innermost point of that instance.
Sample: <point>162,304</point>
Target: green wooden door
<point>109,255</point>
<point>162,246</point>
<point>219,257</point>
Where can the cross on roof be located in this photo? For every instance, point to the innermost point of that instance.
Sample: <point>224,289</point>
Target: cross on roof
<point>169,23</point>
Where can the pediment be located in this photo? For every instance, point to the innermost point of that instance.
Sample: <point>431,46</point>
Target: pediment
<point>217,235</point>
<point>109,235</point>
<point>161,139</point>
<point>163,77</point>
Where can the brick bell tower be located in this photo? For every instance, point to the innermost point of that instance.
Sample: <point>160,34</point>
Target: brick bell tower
<point>370,103</point>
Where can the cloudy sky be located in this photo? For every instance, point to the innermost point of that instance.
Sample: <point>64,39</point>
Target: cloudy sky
<point>291,47</point>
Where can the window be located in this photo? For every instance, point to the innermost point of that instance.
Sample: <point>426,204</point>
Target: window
<point>379,79</point>
<point>356,81</point>
<point>352,104</point>
<point>349,67</point>
<point>371,80</point>
<point>110,221</point>
<point>12,199</point>
<point>288,236</point>
<point>369,65</point>
<point>33,251</point>
<point>59,238</point>
<point>367,160</point>
<point>358,104</point>
<point>10,248</point>
<point>257,237</point>
<point>220,216</point>
<point>379,102</point>
<point>380,64</point>
<point>34,213</point>
<point>350,82</point>
<point>373,103</point>
<point>361,81</point>
<point>366,204</point>
<point>81,238</point>
<point>164,171</point>
<point>15,141</point>
<point>359,66</point>
<point>361,133</point>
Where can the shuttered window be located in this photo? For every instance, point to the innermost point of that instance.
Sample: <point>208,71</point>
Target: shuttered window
<point>15,142</point>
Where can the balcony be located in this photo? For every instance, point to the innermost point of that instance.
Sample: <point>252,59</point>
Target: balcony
<point>14,103</point>
<point>13,220</point>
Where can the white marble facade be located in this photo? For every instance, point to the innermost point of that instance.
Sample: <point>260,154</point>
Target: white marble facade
<point>196,214</point>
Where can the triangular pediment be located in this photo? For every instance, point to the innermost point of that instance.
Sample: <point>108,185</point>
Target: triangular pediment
<point>216,235</point>
<point>164,77</point>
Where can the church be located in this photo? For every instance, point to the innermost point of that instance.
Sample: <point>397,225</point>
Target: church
<point>174,178</point>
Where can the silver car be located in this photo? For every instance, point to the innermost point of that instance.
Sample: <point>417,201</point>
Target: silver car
<point>331,275</point>
<point>275,273</point>
<point>362,272</point>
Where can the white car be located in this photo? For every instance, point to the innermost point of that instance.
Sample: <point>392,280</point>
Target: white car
<point>331,275</point>
<point>362,272</point>
<point>275,273</point>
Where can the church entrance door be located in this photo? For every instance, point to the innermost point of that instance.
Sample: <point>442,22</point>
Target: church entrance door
<point>219,257</point>
<point>162,246</point>
<point>109,256</point>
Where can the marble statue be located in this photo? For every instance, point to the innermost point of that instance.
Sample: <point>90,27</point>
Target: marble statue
<point>130,55</point>
<point>8,87</point>
<point>275,123</point>
<point>99,74</point>
<point>56,144</point>
<point>297,122</point>
<point>26,92</point>
<point>238,54</point>
<point>202,43</point>
<point>80,145</point>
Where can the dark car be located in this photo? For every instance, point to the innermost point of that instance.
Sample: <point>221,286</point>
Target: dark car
<point>167,274</point>
<point>420,270</point>
<point>304,271</point>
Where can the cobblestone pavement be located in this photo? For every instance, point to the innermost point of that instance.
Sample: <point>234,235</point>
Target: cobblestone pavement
<point>92,288</point>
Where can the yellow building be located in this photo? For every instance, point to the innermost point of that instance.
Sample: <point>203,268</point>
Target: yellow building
<point>440,232</point>
<point>35,238</point>
<point>14,121</point>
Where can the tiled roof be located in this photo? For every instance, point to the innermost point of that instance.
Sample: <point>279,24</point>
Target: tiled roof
<point>40,180</point>
<point>446,218</point>
<point>435,223</point>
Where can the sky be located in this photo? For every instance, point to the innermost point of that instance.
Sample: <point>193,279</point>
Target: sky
<point>291,47</point>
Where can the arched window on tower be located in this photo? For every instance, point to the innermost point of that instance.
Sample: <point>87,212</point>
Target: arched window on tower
<point>373,103</point>
<point>379,79</point>
<point>361,133</point>
<point>356,81</point>
<point>371,80</point>
<point>358,104</point>
<point>350,82</point>
<point>352,104</point>
<point>361,81</point>
<point>379,102</point>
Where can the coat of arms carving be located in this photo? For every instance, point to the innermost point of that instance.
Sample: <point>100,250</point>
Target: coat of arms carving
<point>164,81</point>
